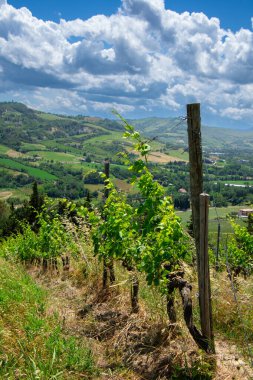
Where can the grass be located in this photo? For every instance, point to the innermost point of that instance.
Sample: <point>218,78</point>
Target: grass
<point>22,194</point>
<point>61,146</point>
<point>37,349</point>
<point>32,147</point>
<point>33,345</point>
<point>57,156</point>
<point>4,149</point>
<point>179,153</point>
<point>50,117</point>
<point>231,318</point>
<point>34,172</point>
<point>113,136</point>
<point>214,213</point>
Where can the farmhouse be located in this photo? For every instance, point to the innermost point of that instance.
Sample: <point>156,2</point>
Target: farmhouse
<point>244,212</point>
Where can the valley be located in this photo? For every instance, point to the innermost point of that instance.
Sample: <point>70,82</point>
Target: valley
<point>65,155</point>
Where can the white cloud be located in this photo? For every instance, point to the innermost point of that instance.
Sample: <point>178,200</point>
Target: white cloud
<point>142,57</point>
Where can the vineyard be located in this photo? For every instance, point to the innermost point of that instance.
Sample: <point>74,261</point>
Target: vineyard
<point>122,297</point>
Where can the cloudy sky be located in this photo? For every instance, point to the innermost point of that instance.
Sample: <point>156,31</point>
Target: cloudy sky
<point>142,57</point>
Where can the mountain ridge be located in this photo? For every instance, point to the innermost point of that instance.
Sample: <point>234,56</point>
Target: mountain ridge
<point>18,123</point>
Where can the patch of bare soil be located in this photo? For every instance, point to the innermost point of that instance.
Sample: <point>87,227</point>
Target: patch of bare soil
<point>230,364</point>
<point>162,158</point>
<point>13,153</point>
<point>129,346</point>
<point>5,194</point>
<point>158,157</point>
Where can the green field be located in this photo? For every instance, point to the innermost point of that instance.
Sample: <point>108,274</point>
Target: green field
<point>113,136</point>
<point>179,153</point>
<point>57,156</point>
<point>61,146</point>
<point>22,194</point>
<point>216,216</point>
<point>47,116</point>
<point>31,147</point>
<point>34,172</point>
<point>4,149</point>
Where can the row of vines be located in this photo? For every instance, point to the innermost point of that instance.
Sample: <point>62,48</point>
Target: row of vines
<point>144,235</point>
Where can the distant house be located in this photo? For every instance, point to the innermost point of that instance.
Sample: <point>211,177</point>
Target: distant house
<point>244,212</point>
<point>182,191</point>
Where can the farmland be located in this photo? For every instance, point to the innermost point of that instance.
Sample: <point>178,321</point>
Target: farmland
<point>59,151</point>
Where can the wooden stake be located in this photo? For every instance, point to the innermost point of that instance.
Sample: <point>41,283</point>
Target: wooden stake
<point>217,249</point>
<point>204,275</point>
<point>107,266</point>
<point>107,174</point>
<point>196,173</point>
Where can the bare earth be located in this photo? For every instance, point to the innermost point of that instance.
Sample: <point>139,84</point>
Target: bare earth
<point>5,194</point>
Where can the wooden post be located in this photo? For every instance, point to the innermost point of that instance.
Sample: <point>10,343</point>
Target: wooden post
<point>217,249</point>
<point>204,275</point>
<point>107,174</point>
<point>106,194</point>
<point>107,266</point>
<point>196,173</point>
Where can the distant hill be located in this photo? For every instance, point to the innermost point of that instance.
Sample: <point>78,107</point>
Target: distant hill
<point>173,131</point>
<point>19,123</point>
<point>65,153</point>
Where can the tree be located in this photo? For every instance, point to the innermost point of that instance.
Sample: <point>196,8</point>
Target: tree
<point>250,224</point>
<point>35,203</point>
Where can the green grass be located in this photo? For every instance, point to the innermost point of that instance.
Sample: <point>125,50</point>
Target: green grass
<point>113,136</point>
<point>31,147</point>
<point>50,117</point>
<point>234,320</point>
<point>33,345</point>
<point>61,146</point>
<point>4,149</point>
<point>57,156</point>
<point>86,166</point>
<point>214,213</point>
<point>179,153</point>
<point>34,172</point>
<point>22,194</point>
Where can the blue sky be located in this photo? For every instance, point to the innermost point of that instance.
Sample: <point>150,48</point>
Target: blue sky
<point>233,14</point>
<point>142,57</point>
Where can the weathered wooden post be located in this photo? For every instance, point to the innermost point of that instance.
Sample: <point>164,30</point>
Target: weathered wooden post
<point>199,205</point>
<point>196,172</point>
<point>107,266</point>
<point>107,175</point>
<point>217,249</point>
<point>204,275</point>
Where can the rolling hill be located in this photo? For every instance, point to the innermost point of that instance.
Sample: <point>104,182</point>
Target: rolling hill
<point>63,152</point>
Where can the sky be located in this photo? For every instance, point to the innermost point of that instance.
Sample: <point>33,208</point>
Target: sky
<point>143,58</point>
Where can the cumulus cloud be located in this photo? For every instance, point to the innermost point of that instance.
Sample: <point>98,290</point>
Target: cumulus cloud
<point>143,57</point>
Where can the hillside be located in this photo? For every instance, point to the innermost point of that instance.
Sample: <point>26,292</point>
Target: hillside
<point>173,131</point>
<point>65,154</point>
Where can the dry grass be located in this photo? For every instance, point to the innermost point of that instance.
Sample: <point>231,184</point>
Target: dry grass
<point>5,195</point>
<point>145,346</point>
<point>133,346</point>
<point>158,157</point>
<point>13,153</point>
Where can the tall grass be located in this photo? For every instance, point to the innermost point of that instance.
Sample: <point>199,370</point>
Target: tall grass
<point>33,345</point>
